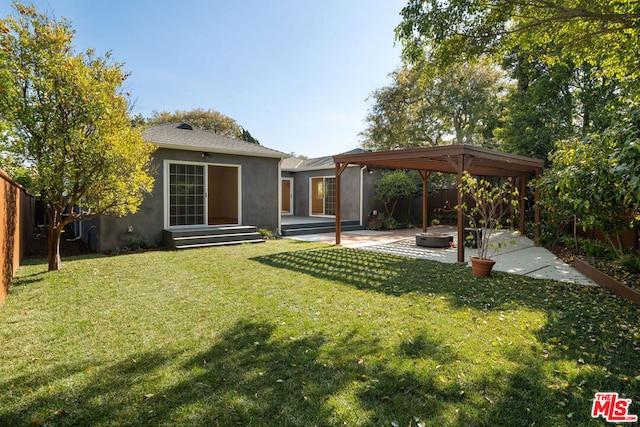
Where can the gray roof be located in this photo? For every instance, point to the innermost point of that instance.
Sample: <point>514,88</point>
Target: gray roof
<point>174,135</point>
<point>294,164</point>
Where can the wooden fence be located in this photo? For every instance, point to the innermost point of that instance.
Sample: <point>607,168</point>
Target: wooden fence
<point>17,213</point>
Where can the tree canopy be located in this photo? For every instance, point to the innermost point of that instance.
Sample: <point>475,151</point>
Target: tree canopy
<point>67,119</point>
<point>603,32</point>
<point>425,107</point>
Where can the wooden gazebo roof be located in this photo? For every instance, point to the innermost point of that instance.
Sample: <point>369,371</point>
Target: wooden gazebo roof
<point>454,159</point>
<point>478,161</point>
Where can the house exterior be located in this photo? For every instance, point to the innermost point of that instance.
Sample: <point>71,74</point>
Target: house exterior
<point>203,181</point>
<point>308,189</point>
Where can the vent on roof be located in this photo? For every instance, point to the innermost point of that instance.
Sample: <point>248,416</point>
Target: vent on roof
<point>185,126</point>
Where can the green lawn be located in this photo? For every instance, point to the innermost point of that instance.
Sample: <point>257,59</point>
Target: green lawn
<point>290,333</point>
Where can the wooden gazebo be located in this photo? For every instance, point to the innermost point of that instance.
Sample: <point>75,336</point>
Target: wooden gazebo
<point>453,159</point>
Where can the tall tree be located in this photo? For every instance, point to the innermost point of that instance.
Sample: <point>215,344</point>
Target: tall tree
<point>603,32</point>
<point>554,102</point>
<point>210,120</point>
<point>539,111</point>
<point>69,120</point>
<point>397,117</point>
<point>423,105</point>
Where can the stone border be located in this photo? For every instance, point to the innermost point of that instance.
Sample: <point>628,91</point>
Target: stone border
<point>607,281</point>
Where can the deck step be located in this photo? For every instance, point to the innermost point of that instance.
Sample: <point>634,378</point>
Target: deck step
<point>211,236</point>
<point>205,245</point>
<point>317,228</point>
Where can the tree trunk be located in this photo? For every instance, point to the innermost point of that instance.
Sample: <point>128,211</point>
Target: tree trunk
<point>53,250</point>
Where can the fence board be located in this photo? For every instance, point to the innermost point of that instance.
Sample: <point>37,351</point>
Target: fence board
<point>17,209</point>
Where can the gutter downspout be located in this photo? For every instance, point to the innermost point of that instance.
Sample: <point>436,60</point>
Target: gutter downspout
<point>78,230</point>
<point>79,236</point>
<point>279,180</point>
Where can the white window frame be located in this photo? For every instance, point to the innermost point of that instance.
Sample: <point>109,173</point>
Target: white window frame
<point>167,201</point>
<point>311,178</point>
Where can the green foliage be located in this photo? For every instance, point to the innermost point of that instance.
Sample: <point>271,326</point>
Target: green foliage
<point>539,112</point>
<point>596,180</point>
<point>135,243</point>
<point>246,136</point>
<point>141,242</point>
<point>69,122</point>
<point>596,32</point>
<point>375,223</point>
<point>268,234</point>
<point>491,205</point>
<point>381,222</point>
<point>422,105</point>
<point>390,223</point>
<point>210,120</point>
<point>594,249</point>
<point>16,170</point>
<point>552,103</point>
<point>631,263</point>
<point>392,187</point>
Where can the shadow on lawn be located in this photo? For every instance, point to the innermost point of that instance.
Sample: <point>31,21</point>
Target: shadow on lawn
<point>585,325</point>
<point>249,377</point>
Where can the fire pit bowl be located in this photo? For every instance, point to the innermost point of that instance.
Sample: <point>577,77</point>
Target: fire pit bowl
<point>434,240</point>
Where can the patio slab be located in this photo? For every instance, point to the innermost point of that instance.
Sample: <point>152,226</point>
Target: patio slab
<point>520,257</point>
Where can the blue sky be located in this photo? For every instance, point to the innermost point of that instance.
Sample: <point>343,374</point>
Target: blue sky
<point>295,73</point>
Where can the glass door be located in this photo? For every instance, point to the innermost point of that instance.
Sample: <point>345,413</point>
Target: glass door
<point>186,194</point>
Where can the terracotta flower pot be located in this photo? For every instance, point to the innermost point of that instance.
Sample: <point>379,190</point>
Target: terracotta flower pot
<point>481,267</point>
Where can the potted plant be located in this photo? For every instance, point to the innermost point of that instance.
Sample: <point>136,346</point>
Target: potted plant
<point>486,206</point>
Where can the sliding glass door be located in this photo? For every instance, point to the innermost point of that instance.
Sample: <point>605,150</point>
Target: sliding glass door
<point>323,196</point>
<point>186,194</point>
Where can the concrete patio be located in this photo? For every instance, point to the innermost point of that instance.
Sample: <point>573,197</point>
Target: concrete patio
<point>520,257</point>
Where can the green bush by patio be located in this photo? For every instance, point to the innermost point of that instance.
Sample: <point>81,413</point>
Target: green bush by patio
<point>290,333</point>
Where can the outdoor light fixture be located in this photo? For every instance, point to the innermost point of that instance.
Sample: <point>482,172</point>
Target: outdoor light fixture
<point>370,171</point>
<point>205,155</point>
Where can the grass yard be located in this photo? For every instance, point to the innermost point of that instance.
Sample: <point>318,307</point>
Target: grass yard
<point>289,333</point>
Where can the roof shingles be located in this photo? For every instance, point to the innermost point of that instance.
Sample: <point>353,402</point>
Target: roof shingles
<point>169,135</point>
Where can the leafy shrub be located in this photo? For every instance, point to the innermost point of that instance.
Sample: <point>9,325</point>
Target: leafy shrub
<point>375,224</point>
<point>390,224</point>
<point>267,234</point>
<point>135,242</point>
<point>594,249</point>
<point>382,223</point>
<point>394,186</point>
<point>631,263</point>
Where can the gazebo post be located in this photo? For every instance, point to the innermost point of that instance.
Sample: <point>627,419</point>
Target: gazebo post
<point>460,211</point>
<point>536,209</point>
<point>340,167</point>
<point>425,176</point>
<point>512,181</point>
<point>338,230</point>
<point>523,189</point>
